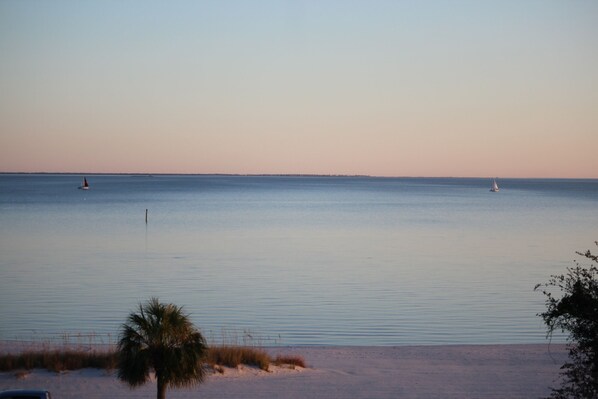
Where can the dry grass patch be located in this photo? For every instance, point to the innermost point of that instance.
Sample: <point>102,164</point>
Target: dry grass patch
<point>294,361</point>
<point>58,360</point>
<point>233,356</point>
<point>22,374</point>
<point>64,359</point>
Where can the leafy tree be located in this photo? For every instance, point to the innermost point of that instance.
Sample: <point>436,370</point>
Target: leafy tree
<point>160,337</point>
<point>575,312</point>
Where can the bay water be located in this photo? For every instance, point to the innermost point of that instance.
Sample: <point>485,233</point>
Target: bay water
<point>290,260</point>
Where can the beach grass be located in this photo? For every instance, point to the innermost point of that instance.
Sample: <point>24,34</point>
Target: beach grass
<point>69,357</point>
<point>294,361</point>
<point>233,356</point>
<point>58,360</point>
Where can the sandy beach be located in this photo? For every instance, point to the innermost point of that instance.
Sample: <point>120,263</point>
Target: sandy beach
<point>461,371</point>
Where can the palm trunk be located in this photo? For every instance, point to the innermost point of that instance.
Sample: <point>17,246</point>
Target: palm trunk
<point>161,388</point>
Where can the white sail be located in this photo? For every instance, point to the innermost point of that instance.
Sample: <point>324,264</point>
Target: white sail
<point>494,188</point>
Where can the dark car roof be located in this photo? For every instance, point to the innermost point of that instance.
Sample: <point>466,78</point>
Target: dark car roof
<point>25,393</point>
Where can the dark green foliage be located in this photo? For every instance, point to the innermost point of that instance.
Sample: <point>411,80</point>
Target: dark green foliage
<point>576,312</point>
<point>161,338</point>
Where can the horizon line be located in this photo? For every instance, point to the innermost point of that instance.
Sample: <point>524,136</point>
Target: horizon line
<point>286,175</point>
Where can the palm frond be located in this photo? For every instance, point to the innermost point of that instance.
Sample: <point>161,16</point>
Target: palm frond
<point>163,338</point>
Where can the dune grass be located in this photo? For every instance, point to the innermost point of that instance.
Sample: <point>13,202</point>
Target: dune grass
<point>58,360</point>
<point>294,361</point>
<point>233,356</point>
<point>63,359</point>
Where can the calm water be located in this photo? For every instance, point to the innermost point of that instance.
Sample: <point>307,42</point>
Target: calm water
<point>291,260</point>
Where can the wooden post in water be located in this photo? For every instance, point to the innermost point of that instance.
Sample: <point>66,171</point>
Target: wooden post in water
<point>146,216</point>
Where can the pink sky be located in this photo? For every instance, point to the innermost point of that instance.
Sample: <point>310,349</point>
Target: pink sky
<point>407,89</point>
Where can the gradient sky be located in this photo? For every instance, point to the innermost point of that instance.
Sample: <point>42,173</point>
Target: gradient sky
<point>389,88</point>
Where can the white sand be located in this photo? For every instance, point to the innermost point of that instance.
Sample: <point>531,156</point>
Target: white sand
<point>469,371</point>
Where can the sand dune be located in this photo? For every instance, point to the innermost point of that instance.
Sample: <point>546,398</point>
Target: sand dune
<point>464,371</point>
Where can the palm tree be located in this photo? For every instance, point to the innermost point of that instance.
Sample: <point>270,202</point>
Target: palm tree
<point>161,337</point>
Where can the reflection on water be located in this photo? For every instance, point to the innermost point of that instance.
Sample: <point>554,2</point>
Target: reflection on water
<point>294,260</point>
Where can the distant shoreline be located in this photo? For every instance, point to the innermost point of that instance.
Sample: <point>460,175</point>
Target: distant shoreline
<point>190,174</point>
<point>290,175</point>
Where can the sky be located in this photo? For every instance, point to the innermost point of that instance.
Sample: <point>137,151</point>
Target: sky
<point>384,88</point>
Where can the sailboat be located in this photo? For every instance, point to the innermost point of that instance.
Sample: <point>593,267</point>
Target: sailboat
<point>85,185</point>
<point>494,187</point>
